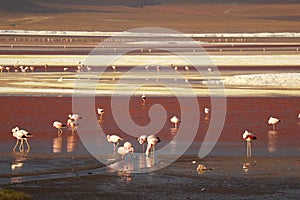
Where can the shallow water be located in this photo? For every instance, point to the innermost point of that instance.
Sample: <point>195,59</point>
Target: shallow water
<point>51,154</point>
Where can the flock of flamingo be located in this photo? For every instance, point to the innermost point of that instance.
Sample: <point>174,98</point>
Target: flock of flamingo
<point>151,140</point>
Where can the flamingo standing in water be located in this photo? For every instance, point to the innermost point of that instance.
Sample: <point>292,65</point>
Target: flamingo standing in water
<point>143,99</point>
<point>72,124</point>
<point>21,135</point>
<point>142,140</point>
<point>100,112</point>
<point>248,137</point>
<point>206,111</point>
<point>152,140</point>
<point>75,117</point>
<point>58,125</point>
<point>115,140</point>
<point>175,120</point>
<point>273,121</point>
<point>125,149</point>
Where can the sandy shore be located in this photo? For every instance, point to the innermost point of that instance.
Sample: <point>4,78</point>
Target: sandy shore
<point>264,178</point>
<point>150,83</point>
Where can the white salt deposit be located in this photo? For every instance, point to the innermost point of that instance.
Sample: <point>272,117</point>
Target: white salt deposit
<point>284,80</point>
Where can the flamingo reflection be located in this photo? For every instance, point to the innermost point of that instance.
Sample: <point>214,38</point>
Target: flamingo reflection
<point>57,144</point>
<point>21,157</point>
<point>71,143</point>
<point>272,141</point>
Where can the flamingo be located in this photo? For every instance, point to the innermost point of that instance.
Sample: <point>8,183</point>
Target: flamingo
<point>248,137</point>
<point>115,140</point>
<point>75,117</point>
<point>147,68</point>
<point>175,120</point>
<point>187,68</point>
<point>206,111</point>
<point>72,124</point>
<point>100,112</point>
<point>158,68</point>
<point>60,80</point>
<point>273,121</point>
<point>21,135</point>
<point>125,149</point>
<point>143,99</point>
<point>59,126</point>
<point>32,68</point>
<point>142,140</point>
<point>152,140</point>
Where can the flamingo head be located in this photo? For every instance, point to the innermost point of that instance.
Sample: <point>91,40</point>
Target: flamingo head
<point>15,129</point>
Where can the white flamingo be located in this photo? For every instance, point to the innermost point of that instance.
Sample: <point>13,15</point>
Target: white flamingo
<point>187,68</point>
<point>100,112</point>
<point>143,98</point>
<point>175,120</point>
<point>157,68</point>
<point>206,111</point>
<point>75,117</point>
<point>21,135</point>
<point>248,137</point>
<point>125,149</point>
<point>273,121</point>
<point>152,140</point>
<point>142,140</point>
<point>58,125</point>
<point>115,140</point>
<point>32,68</point>
<point>72,124</point>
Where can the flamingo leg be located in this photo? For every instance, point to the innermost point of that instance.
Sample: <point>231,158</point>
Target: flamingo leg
<point>115,147</point>
<point>14,149</point>
<point>59,132</point>
<point>21,147</point>
<point>248,149</point>
<point>28,146</point>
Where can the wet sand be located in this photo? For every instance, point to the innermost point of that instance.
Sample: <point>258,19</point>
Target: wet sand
<point>265,178</point>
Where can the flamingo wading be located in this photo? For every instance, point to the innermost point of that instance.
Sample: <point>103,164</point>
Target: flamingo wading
<point>21,135</point>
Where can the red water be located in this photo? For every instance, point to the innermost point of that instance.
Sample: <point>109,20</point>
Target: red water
<point>36,115</point>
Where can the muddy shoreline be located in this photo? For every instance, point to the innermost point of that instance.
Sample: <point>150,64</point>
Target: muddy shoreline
<point>266,177</point>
